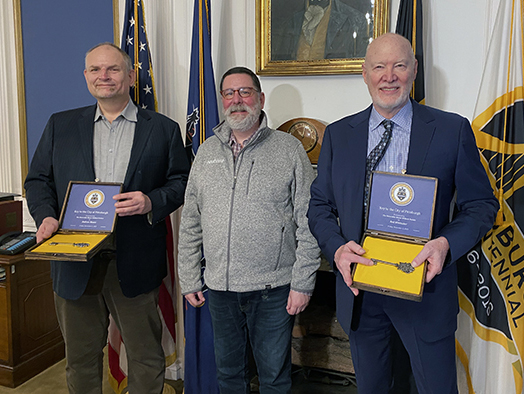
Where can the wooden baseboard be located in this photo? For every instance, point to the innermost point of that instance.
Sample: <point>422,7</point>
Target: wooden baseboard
<point>15,376</point>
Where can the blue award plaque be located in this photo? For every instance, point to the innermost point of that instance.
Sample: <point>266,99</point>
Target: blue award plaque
<point>90,207</point>
<point>399,222</point>
<point>402,204</point>
<point>87,221</point>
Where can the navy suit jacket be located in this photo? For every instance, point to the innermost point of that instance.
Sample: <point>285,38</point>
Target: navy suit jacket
<point>158,167</point>
<point>442,145</point>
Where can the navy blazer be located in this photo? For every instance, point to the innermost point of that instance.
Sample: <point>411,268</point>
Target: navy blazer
<point>158,167</point>
<point>442,145</point>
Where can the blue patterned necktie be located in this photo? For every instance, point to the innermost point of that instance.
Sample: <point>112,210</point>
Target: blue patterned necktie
<point>376,155</point>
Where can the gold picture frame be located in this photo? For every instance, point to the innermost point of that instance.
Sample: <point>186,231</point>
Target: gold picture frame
<point>330,48</point>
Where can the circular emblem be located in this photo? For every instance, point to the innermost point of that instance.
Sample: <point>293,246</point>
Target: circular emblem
<point>308,131</point>
<point>94,198</point>
<point>401,193</point>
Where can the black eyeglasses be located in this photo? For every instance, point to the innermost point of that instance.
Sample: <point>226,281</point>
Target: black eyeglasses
<point>228,94</point>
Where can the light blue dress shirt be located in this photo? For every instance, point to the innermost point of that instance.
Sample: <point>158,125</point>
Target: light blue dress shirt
<point>396,157</point>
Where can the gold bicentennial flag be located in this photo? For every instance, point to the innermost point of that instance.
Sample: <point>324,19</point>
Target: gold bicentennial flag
<point>490,336</point>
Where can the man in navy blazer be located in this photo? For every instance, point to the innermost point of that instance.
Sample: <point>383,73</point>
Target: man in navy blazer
<point>111,141</point>
<point>427,142</point>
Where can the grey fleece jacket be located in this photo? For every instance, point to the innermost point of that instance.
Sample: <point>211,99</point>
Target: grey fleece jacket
<point>249,215</point>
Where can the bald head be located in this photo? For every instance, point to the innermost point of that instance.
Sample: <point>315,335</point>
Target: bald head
<point>392,40</point>
<point>389,70</point>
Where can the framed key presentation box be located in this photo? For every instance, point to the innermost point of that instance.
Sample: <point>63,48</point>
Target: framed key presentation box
<point>87,221</point>
<point>398,224</point>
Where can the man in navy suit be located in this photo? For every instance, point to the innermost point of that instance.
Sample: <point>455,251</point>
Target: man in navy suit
<point>427,142</point>
<point>112,141</point>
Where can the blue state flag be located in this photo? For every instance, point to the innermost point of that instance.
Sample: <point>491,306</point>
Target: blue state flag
<point>200,368</point>
<point>202,116</point>
<point>202,110</point>
<point>135,44</point>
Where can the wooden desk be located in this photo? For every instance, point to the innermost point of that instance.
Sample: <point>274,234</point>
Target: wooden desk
<point>30,339</point>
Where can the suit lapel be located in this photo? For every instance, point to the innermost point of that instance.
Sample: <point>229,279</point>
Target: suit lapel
<point>142,131</point>
<point>86,131</point>
<point>356,151</point>
<point>422,131</point>
<point>358,137</point>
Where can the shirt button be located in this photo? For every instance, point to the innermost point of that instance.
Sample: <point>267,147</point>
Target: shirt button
<point>390,168</point>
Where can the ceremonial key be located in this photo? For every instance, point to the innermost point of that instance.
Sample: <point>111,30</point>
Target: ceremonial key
<point>404,267</point>
<point>77,244</point>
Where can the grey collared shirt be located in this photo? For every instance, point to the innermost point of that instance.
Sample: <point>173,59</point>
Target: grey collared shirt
<point>396,157</point>
<point>112,144</point>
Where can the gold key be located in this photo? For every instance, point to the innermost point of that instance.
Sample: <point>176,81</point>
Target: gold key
<point>77,244</point>
<point>404,267</point>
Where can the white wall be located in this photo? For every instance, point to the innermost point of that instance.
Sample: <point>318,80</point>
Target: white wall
<point>455,41</point>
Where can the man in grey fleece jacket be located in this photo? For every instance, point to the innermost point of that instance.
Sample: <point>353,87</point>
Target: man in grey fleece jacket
<point>245,204</point>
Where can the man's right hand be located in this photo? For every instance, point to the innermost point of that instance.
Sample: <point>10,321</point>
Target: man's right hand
<point>48,227</point>
<point>345,256</point>
<point>196,299</point>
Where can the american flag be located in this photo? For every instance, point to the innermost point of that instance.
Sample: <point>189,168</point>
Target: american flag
<point>134,42</point>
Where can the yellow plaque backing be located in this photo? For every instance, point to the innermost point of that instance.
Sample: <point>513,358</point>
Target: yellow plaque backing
<point>63,245</point>
<point>387,279</point>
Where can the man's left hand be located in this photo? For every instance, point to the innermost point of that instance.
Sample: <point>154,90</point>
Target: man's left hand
<point>296,302</point>
<point>435,252</point>
<point>132,203</point>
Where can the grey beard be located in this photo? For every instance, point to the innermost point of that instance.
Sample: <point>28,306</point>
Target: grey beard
<point>242,124</point>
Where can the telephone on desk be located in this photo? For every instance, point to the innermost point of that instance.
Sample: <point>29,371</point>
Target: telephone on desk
<point>16,242</point>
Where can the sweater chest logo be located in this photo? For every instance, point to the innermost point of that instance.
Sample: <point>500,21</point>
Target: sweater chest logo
<point>215,161</point>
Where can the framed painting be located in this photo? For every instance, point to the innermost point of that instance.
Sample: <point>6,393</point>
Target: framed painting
<point>312,37</point>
